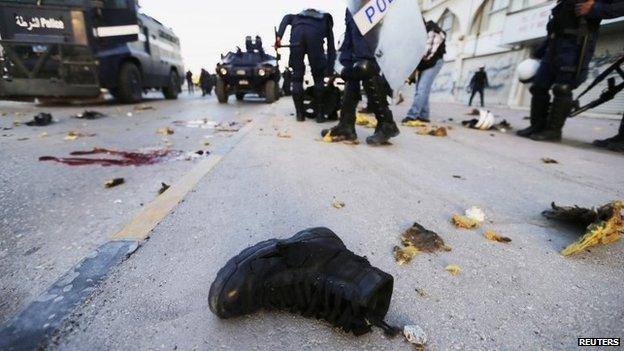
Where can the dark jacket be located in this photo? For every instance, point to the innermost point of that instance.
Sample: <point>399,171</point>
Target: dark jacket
<point>319,21</point>
<point>479,81</point>
<point>354,46</point>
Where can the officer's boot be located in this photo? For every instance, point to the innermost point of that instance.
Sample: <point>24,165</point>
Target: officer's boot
<point>540,102</point>
<point>559,110</point>
<point>386,127</point>
<point>299,109</point>
<point>615,143</point>
<point>319,105</point>
<point>345,129</point>
<point>312,274</point>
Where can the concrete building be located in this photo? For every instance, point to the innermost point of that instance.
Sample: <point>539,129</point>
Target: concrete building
<point>498,34</point>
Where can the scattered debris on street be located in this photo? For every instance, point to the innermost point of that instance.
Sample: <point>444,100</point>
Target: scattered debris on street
<point>203,123</point>
<point>89,114</point>
<point>164,131</point>
<point>143,107</point>
<point>365,120</point>
<point>114,182</point>
<point>124,158</point>
<point>493,236</point>
<point>475,213</point>
<point>73,135</point>
<point>228,127</point>
<point>417,239</point>
<point>464,222</point>
<point>603,225</point>
<point>40,120</point>
<point>163,188</point>
<point>284,135</point>
<point>453,269</point>
<point>433,131</point>
<point>487,121</point>
<point>549,160</point>
<point>415,335</point>
<point>338,204</point>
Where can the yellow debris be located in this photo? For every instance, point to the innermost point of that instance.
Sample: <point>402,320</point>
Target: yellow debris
<point>414,124</point>
<point>338,204</point>
<point>465,222</point>
<point>600,232</point>
<point>328,138</point>
<point>404,255</point>
<point>491,235</point>
<point>164,131</point>
<point>284,135</point>
<point>453,269</point>
<point>368,121</point>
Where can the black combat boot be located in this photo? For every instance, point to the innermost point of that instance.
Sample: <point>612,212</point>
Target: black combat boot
<point>299,109</point>
<point>559,110</point>
<point>615,143</point>
<point>539,112</point>
<point>319,106</point>
<point>345,129</point>
<point>386,127</point>
<point>312,274</point>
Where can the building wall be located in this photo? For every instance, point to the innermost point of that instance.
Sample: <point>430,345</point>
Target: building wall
<point>479,38</point>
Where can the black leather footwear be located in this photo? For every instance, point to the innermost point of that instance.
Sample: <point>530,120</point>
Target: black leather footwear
<point>383,133</point>
<point>312,274</point>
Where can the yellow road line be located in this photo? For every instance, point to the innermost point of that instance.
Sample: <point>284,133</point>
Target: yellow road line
<point>141,225</point>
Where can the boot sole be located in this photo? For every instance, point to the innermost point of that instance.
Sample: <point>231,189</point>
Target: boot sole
<point>217,289</point>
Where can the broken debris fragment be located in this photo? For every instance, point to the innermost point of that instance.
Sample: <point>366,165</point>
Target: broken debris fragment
<point>73,135</point>
<point>284,135</point>
<point>602,226</point>
<point>143,107</point>
<point>453,269</point>
<point>475,213</point>
<point>549,160</point>
<point>114,182</point>
<point>415,335</point>
<point>464,222</point>
<point>417,239</point>
<point>338,204</point>
<point>89,114</point>
<point>163,188</point>
<point>365,120</point>
<point>40,120</point>
<point>164,131</point>
<point>491,235</point>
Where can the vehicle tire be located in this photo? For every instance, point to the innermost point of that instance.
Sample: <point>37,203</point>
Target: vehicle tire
<point>270,92</point>
<point>221,91</point>
<point>172,90</point>
<point>240,96</point>
<point>129,84</point>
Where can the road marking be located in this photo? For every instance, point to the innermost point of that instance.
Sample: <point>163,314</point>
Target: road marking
<point>142,224</point>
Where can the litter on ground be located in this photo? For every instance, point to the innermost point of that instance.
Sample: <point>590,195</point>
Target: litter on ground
<point>40,120</point>
<point>89,114</point>
<point>415,335</point>
<point>549,160</point>
<point>491,235</point>
<point>417,239</point>
<point>453,269</point>
<point>365,120</point>
<point>603,225</point>
<point>163,188</point>
<point>114,182</point>
<point>338,204</point>
<point>475,213</point>
<point>464,222</point>
<point>164,131</point>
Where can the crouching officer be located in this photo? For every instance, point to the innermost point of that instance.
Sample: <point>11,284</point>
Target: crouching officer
<point>360,66</point>
<point>565,56</point>
<point>309,29</point>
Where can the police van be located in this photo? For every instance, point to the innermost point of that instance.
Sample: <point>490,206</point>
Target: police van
<point>76,48</point>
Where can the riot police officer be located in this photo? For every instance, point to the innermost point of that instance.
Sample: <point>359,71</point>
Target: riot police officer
<point>309,29</point>
<point>565,56</point>
<point>360,66</point>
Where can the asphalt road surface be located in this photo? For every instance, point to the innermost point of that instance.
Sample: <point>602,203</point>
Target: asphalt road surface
<point>274,177</point>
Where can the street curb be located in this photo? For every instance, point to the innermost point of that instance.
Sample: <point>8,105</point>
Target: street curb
<point>32,328</point>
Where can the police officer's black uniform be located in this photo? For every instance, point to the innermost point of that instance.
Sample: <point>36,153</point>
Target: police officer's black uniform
<point>360,66</point>
<point>565,57</point>
<point>309,29</point>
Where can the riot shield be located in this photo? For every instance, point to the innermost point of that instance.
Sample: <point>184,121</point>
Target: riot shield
<point>395,31</point>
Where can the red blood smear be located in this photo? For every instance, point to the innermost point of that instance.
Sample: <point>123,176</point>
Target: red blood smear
<point>124,158</point>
